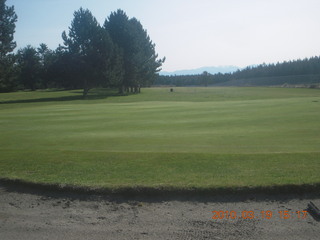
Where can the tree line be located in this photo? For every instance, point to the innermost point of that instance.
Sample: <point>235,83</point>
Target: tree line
<point>276,72</point>
<point>118,54</point>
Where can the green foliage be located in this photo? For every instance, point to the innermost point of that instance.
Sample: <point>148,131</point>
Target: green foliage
<point>7,29</point>
<point>137,52</point>
<point>8,76</point>
<point>119,54</point>
<point>306,71</point>
<point>46,60</point>
<point>63,71</point>
<point>117,25</point>
<point>29,67</point>
<point>145,58</point>
<point>90,47</point>
<point>7,45</point>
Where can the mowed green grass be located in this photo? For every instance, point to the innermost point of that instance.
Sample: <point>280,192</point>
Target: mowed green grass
<point>191,138</point>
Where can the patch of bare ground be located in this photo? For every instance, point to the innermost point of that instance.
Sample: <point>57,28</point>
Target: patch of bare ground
<point>37,213</point>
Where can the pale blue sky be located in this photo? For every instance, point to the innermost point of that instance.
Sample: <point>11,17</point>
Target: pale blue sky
<point>191,33</point>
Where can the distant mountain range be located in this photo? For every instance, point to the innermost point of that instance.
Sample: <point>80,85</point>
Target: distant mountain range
<point>212,70</point>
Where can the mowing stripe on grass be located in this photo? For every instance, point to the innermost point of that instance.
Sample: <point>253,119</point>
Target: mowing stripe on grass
<point>181,170</point>
<point>191,138</point>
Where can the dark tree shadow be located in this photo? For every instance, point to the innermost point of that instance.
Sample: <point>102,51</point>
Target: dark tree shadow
<point>95,94</point>
<point>155,195</point>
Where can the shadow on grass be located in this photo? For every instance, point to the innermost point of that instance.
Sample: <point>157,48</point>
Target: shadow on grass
<point>153,194</point>
<point>95,94</point>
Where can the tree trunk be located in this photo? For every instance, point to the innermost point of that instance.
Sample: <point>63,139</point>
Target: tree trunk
<point>85,92</point>
<point>122,89</point>
<point>33,87</point>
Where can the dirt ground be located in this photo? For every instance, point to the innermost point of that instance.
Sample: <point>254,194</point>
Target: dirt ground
<point>27,213</point>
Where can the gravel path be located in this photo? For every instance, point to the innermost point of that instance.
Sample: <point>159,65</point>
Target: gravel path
<point>37,214</point>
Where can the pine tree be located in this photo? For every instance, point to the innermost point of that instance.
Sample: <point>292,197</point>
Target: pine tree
<point>139,59</point>
<point>145,59</point>
<point>117,25</point>
<point>7,45</point>
<point>91,48</point>
<point>46,60</point>
<point>29,67</point>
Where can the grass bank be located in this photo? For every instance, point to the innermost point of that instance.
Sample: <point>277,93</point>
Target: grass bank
<point>168,170</point>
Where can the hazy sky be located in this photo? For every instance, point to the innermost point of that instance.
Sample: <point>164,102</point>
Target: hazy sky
<point>191,33</point>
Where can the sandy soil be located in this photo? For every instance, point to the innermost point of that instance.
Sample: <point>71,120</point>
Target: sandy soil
<point>26,213</point>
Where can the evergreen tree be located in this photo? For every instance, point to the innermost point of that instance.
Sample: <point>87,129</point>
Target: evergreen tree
<point>117,25</point>
<point>90,48</point>
<point>145,59</point>
<point>28,62</point>
<point>138,58</point>
<point>46,60</point>
<point>7,45</point>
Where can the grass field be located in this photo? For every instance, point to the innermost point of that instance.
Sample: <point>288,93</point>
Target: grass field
<point>193,137</point>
